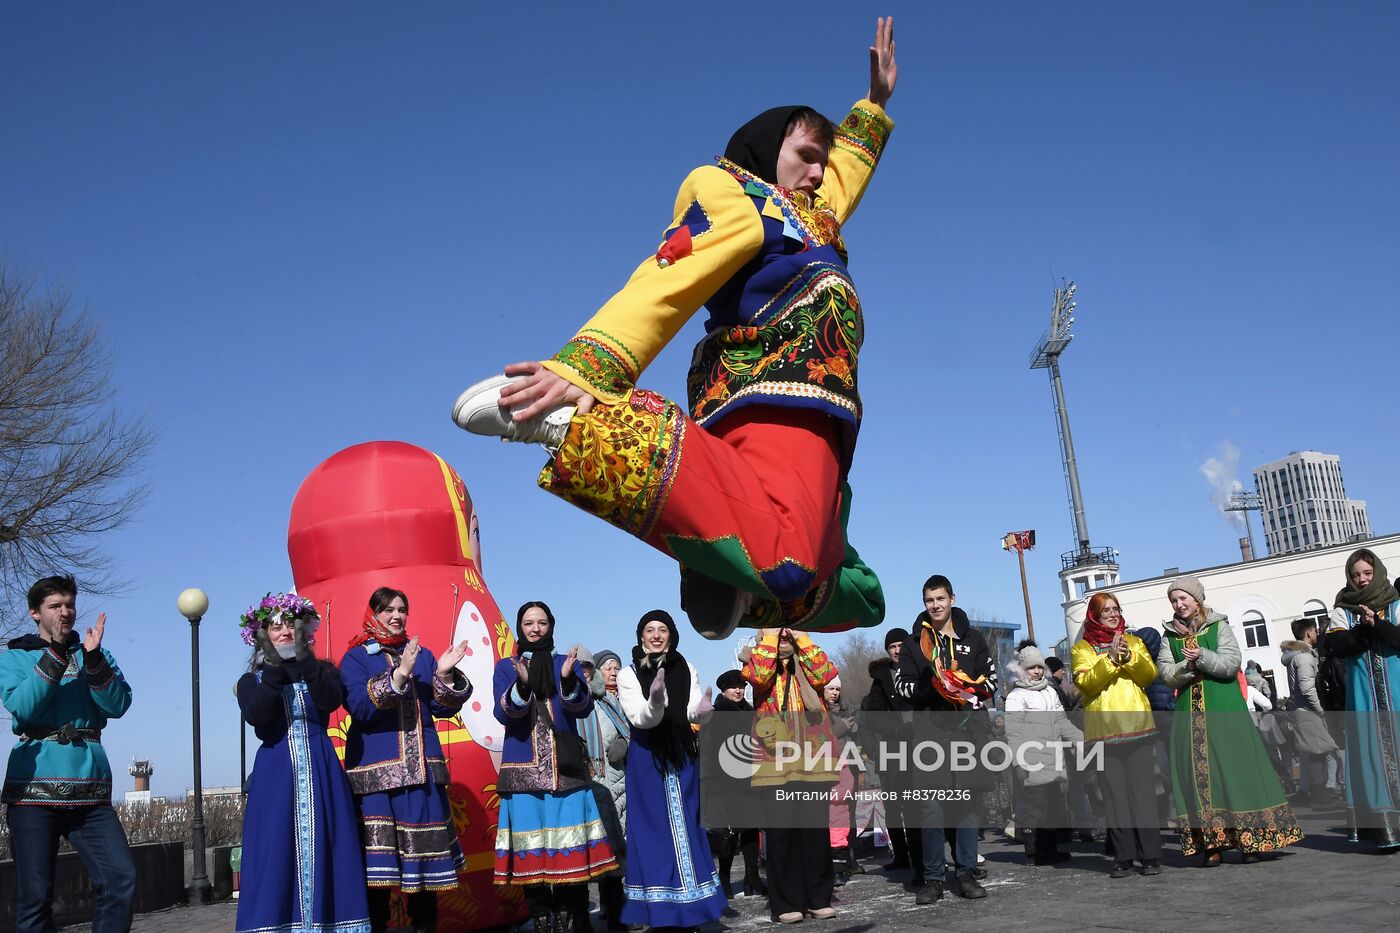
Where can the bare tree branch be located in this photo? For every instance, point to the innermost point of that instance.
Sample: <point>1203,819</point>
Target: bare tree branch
<point>853,659</point>
<point>69,461</point>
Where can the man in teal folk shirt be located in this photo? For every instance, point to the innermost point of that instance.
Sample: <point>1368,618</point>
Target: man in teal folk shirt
<point>60,692</point>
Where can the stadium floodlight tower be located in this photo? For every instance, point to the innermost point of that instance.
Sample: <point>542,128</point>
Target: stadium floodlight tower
<point>1085,568</point>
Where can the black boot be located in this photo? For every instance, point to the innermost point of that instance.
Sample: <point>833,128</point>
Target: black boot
<point>899,846</point>
<point>610,899</point>
<point>539,898</point>
<point>853,866</point>
<point>422,911</point>
<point>576,906</point>
<point>748,847</point>
<point>379,909</point>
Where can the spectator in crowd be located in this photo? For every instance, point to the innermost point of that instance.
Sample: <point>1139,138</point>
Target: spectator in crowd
<point>673,886</point>
<point>306,869</point>
<point>841,812</point>
<point>61,691</point>
<point>1035,721</point>
<point>1225,788</point>
<point>946,668</point>
<point>606,733</point>
<point>1368,644</point>
<point>1319,759</point>
<point>550,837</point>
<point>1112,670</point>
<point>728,832</point>
<point>1163,701</point>
<point>394,759</point>
<point>892,723</point>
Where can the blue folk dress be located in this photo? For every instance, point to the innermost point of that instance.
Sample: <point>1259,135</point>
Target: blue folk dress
<point>1371,659</point>
<point>396,768</point>
<point>675,883</point>
<point>549,829</point>
<point>303,871</point>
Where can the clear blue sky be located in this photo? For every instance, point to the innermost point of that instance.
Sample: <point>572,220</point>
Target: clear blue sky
<point>304,227</point>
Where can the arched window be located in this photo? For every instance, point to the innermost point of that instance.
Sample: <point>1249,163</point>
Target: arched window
<point>1316,610</point>
<point>1256,630</point>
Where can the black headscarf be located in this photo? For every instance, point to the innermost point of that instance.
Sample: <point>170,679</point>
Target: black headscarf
<point>755,145</point>
<point>542,660</point>
<point>672,739</point>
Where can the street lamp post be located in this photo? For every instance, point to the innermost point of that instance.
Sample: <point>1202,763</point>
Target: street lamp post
<point>193,604</point>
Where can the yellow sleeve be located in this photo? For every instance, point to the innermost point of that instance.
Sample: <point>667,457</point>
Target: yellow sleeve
<point>608,355</point>
<point>860,138</point>
<point>1092,671</point>
<point>1140,667</point>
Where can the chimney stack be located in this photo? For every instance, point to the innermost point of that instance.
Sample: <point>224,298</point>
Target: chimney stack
<point>1246,551</point>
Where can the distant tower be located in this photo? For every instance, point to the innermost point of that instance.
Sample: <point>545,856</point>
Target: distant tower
<point>142,771</point>
<point>1085,568</point>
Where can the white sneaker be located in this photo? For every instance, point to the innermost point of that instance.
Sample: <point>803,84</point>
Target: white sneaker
<point>479,411</point>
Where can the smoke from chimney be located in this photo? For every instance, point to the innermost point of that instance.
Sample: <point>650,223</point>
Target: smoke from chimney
<point>1221,472</point>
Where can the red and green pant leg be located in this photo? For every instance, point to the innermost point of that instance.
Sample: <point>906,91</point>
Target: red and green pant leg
<point>758,502</point>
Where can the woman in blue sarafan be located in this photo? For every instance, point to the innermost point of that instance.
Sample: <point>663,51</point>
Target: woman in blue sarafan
<point>1367,640</point>
<point>674,886</point>
<point>303,871</point>
<point>393,757</point>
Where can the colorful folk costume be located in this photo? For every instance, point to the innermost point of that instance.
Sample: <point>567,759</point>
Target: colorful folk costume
<point>550,831</point>
<point>787,677</point>
<point>58,783</point>
<point>1225,787</point>
<point>394,760</point>
<point>1370,654</point>
<point>1118,713</point>
<point>748,489</point>
<point>303,869</point>
<point>671,879</point>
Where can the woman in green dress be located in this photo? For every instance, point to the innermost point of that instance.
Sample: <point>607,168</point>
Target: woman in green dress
<point>1226,789</point>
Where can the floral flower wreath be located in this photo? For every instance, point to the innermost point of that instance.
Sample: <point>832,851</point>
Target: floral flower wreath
<point>279,605</point>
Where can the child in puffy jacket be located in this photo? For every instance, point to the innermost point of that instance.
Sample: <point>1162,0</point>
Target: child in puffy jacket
<point>1035,722</point>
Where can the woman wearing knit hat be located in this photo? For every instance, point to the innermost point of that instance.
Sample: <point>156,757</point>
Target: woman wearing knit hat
<point>1369,648</point>
<point>606,733</point>
<point>675,885</point>
<point>1112,669</point>
<point>1034,720</point>
<point>1224,785</point>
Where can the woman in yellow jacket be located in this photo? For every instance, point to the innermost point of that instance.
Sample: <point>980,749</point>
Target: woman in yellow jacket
<point>1112,668</point>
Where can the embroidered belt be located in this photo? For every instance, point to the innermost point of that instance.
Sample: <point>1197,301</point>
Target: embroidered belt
<point>65,734</point>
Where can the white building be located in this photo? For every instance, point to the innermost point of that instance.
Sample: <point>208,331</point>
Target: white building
<point>1305,504</point>
<point>1262,598</point>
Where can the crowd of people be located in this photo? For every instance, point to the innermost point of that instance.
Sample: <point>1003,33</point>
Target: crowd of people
<point>602,759</point>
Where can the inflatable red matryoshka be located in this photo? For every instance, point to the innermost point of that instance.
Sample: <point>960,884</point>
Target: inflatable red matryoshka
<point>388,513</point>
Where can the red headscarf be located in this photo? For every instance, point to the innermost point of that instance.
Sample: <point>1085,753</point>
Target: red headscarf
<point>1095,632</point>
<point>374,631</point>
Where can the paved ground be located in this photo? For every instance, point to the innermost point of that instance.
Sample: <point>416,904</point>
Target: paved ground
<point>1322,881</point>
